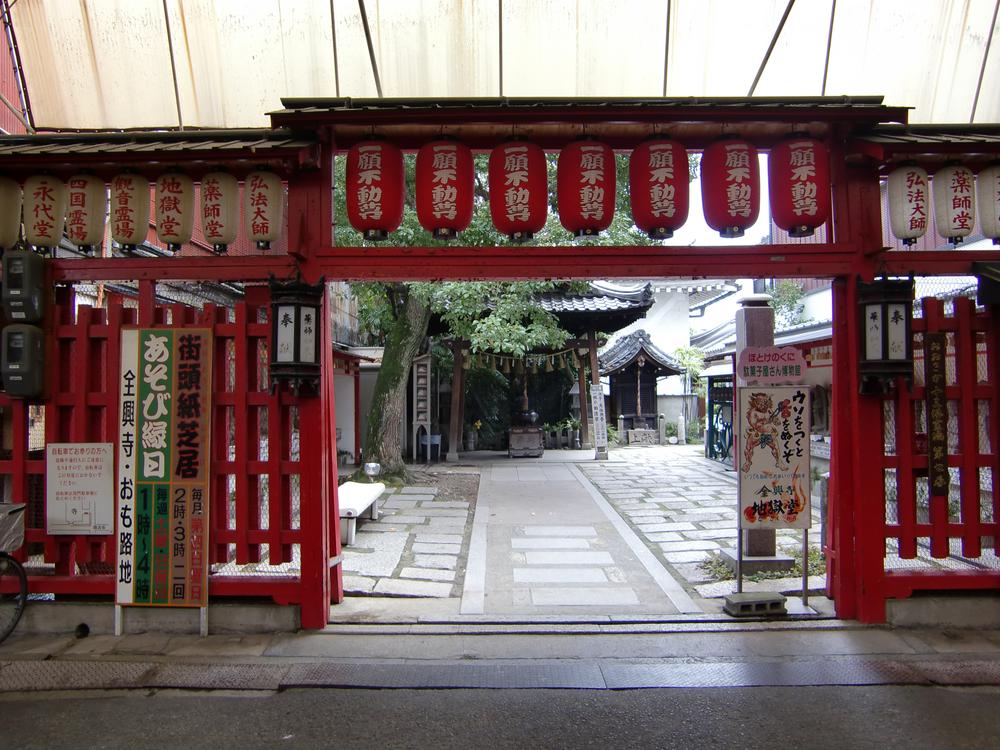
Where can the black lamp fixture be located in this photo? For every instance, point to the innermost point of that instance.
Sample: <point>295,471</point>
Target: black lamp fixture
<point>885,311</point>
<point>296,335</point>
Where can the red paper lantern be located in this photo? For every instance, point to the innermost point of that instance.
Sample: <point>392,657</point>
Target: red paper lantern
<point>799,181</point>
<point>519,200</point>
<point>374,189</point>
<point>585,185</point>
<point>658,187</point>
<point>444,188</point>
<point>730,186</point>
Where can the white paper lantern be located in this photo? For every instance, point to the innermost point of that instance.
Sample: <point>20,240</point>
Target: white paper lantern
<point>10,212</point>
<point>174,209</point>
<point>263,207</point>
<point>44,210</point>
<point>88,207</point>
<point>129,210</point>
<point>954,202</point>
<point>909,202</point>
<point>988,192</point>
<point>220,209</point>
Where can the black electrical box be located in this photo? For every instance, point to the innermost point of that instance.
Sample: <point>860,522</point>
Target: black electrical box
<point>23,294</point>
<point>22,364</point>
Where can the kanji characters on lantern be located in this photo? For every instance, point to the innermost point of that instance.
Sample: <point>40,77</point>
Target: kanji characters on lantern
<point>129,210</point>
<point>220,209</point>
<point>730,186</point>
<point>374,189</point>
<point>988,192</point>
<point>44,211</point>
<point>658,187</point>
<point>445,182</point>
<point>263,208</point>
<point>518,189</point>
<point>585,187</point>
<point>799,182</point>
<point>954,202</point>
<point>174,209</point>
<point>85,217</point>
<point>908,188</point>
<point>10,212</point>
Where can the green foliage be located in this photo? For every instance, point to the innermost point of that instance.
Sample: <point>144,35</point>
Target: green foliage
<point>670,429</point>
<point>717,570</point>
<point>693,430</point>
<point>786,299</point>
<point>693,360</point>
<point>612,434</point>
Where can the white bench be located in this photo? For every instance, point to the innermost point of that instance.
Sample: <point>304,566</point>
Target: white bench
<point>355,498</point>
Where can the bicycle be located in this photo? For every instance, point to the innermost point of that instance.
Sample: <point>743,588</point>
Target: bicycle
<point>13,579</point>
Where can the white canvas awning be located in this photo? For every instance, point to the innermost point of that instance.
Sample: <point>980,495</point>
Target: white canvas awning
<point>112,63</point>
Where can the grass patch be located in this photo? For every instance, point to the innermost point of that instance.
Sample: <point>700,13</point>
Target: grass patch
<point>716,569</point>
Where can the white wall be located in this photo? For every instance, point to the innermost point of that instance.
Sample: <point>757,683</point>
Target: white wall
<point>343,386</point>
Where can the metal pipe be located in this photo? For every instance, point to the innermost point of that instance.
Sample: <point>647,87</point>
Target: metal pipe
<point>829,41</point>
<point>336,65</point>
<point>173,67</point>
<point>500,21</point>
<point>666,49</point>
<point>770,48</point>
<point>371,49</point>
<point>16,112</point>
<point>15,54</point>
<point>982,69</point>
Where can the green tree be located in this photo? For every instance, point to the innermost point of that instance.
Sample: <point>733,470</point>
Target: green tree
<point>786,299</point>
<point>693,360</point>
<point>499,317</point>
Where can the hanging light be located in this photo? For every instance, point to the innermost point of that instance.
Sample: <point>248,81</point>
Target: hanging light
<point>585,187</point>
<point>799,185</point>
<point>129,210</point>
<point>908,202</point>
<point>730,186</point>
<point>445,181</point>
<point>885,310</point>
<point>658,187</point>
<point>548,365</point>
<point>296,341</point>
<point>988,192</point>
<point>374,189</point>
<point>174,210</point>
<point>44,211</point>
<point>88,206</point>
<point>518,180</point>
<point>954,202</point>
<point>220,209</point>
<point>10,213</point>
<point>263,208</point>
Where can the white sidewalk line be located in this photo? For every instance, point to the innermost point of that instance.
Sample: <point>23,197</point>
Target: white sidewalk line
<point>474,585</point>
<point>674,591</point>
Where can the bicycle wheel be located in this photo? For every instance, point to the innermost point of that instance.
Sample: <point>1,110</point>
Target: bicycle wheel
<point>13,593</point>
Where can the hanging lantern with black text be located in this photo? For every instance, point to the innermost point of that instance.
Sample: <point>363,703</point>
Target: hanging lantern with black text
<point>799,185</point>
<point>263,208</point>
<point>129,210</point>
<point>885,309</point>
<point>988,192</point>
<point>954,203</point>
<point>730,187</point>
<point>86,215</point>
<point>296,335</point>
<point>174,210</point>
<point>519,200</point>
<point>445,181</point>
<point>374,189</point>
<point>658,187</point>
<point>908,202</point>
<point>10,213</point>
<point>220,209</point>
<point>44,211</point>
<point>585,187</point>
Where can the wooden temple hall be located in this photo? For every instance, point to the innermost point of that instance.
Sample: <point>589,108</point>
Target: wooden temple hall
<point>256,380</point>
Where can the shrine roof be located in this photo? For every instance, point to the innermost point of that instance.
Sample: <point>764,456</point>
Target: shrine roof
<point>629,348</point>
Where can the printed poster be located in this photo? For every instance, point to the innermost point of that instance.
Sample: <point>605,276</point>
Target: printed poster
<point>773,428</point>
<point>163,467</point>
<point>79,488</point>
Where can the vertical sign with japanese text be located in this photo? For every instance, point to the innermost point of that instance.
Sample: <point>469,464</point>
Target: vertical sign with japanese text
<point>163,466</point>
<point>773,425</point>
<point>935,380</point>
<point>598,416</point>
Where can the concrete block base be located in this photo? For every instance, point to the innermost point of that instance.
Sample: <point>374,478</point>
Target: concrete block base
<point>964,610</point>
<point>756,604</point>
<point>755,564</point>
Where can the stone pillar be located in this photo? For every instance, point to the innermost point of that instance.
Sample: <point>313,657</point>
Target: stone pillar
<point>455,423</point>
<point>600,454</point>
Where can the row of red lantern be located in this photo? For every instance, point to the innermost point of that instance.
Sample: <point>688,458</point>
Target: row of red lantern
<point>955,190</point>
<point>798,172</point>
<point>81,207</point>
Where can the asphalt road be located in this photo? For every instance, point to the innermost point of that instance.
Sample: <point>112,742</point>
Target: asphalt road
<point>819,717</point>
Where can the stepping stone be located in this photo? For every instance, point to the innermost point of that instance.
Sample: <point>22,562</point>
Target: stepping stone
<point>568,558</point>
<point>560,531</point>
<point>542,543</point>
<point>405,587</point>
<point>430,574</point>
<point>688,546</point>
<point>439,538</point>
<point>437,549</point>
<point>418,491</point>
<point>559,575</point>
<point>445,562</point>
<point>560,597</point>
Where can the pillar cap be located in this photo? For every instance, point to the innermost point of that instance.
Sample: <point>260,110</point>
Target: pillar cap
<point>756,300</point>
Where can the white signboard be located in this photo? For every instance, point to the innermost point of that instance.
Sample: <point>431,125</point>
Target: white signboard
<point>79,488</point>
<point>600,419</point>
<point>773,445</point>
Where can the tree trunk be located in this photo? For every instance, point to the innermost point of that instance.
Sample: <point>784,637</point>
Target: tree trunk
<point>389,400</point>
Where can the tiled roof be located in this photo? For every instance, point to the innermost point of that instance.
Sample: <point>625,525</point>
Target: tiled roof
<point>628,348</point>
<point>118,142</point>
<point>596,301</point>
